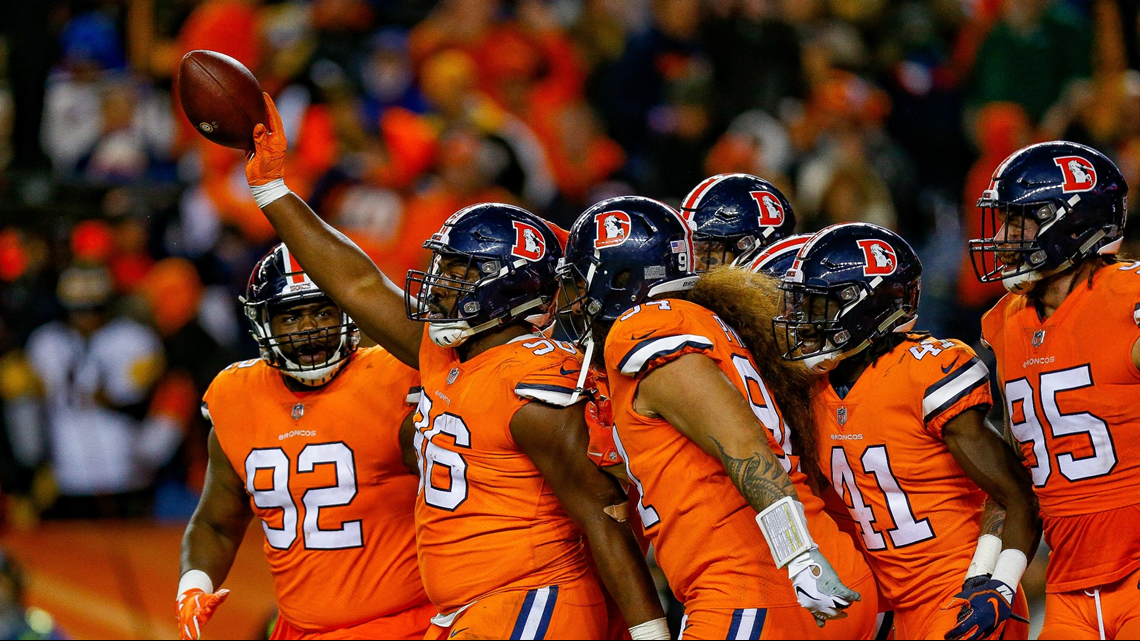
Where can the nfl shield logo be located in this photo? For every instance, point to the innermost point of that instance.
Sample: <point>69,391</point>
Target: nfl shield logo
<point>298,411</point>
<point>452,375</point>
<point>1038,337</point>
<point>841,415</point>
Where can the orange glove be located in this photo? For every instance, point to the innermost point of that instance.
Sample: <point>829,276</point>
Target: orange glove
<point>266,163</point>
<point>195,607</point>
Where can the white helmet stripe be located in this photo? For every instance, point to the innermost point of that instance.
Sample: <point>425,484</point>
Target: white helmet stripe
<point>694,198</point>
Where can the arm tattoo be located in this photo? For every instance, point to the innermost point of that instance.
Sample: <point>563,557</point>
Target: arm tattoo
<point>760,477</point>
<point>993,518</point>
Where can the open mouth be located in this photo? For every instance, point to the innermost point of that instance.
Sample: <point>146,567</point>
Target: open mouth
<point>313,354</point>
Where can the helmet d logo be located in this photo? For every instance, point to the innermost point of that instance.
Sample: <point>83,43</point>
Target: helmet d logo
<point>528,242</point>
<point>771,211</point>
<point>1078,172</point>
<point>878,258</point>
<point>612,228</point>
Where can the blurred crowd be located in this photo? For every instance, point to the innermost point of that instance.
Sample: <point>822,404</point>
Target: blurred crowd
<point>126,239</point>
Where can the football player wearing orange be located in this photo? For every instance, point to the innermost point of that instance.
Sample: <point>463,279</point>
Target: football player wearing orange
<point>1067,344</point>
<point>307,439</point>
<point>735,217</point>
<point>506,492</point>
<point>901,435</point>
<point>704,442</point>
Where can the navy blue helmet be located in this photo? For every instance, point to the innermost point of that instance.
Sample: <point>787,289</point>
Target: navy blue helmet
<point>735,216</point>
<point>777,258</point>
<point>622,252</point>
<point>849,285</point>
<point>1047,207</point>
<point>277,284</point>
<point>491,264</point>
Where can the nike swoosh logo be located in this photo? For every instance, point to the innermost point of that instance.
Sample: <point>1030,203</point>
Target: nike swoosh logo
<point>455,632</point>
<point>946,370</point>
<point>997,611</point>
<point>594,453</point>
<point>637,338</point>
<point>563,371</point>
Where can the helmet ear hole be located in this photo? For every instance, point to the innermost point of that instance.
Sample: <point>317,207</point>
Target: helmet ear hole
<point>621,279</point>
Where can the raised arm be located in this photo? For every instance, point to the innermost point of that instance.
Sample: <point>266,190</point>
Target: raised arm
<point>211,542</point>
<point>696,398</point>
<point>333,261</point>
<point>994,465</point>
<point>555,439</point>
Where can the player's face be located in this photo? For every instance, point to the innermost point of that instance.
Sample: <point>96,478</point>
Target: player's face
<point>1015,230</point>
<point>571,296</point>
<point>314,331</point>
<point>710,254</point>
<point>571,304</point>
<point>814,310</point>
<point>441,300</point>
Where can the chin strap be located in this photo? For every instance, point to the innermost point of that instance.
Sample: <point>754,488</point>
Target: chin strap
<point>580,386</point>
<point>827,362</point>
<point>455,333</point>
<point>588,357</point>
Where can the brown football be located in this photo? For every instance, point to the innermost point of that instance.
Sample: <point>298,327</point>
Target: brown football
<point>221,98</point>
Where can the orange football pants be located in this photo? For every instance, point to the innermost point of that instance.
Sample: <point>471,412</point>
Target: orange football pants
<point>575,610</point>
<point>409,624</point>
<point>787,622</point>
<point>933,620</point>
<point>1073,615</point>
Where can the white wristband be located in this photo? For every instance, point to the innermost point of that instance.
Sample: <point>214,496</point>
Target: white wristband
<point>269,192</point>
<point>784,526</point>
<point>655,629</point>
<point>985,556</point>
<point>195,579</point>
<point>1009,568</point>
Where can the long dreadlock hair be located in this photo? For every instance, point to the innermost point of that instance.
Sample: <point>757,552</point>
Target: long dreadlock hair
<point>748,302</point>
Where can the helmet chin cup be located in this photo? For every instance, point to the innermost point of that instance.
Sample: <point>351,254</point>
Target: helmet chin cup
<point>316,377</point>
<point>1021,284</point>
<point>907,326</point>
<point>1111,249</point>
<point>452,334</point>
<point>823,363</point>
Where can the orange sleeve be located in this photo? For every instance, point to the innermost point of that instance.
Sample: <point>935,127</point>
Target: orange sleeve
<point>552,372</point>
<point>651,335</point>
<point>955,379</point>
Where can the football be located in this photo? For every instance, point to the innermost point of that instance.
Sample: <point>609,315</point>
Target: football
<point>221,98</point>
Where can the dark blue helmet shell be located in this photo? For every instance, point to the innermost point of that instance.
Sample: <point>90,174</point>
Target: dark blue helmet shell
<point>736,215</point>
<point>777,258</point>
<point>622,252</point>
<point>510,257</point>
<point>848,286</point>
<point>1073,195</point>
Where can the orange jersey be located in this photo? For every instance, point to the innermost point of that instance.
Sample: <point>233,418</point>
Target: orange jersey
<point>486,520</point>
<point>325,476</point>
<point>1072,395</point>
<point>703,530</point>
<point>918,514</point>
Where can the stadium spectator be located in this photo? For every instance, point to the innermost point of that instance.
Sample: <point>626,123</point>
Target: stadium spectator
<point>98,370</point>
<point>1046,36</point>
